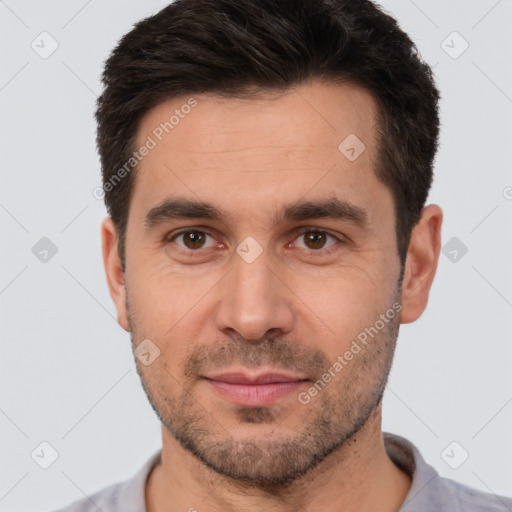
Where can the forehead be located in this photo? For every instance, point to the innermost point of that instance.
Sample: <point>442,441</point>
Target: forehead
<point>316,113</point>
<point>315,139</point>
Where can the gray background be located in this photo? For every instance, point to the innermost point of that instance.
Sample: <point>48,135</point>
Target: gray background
<point>67,375</point>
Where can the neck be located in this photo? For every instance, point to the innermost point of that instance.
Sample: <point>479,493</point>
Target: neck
<point>359,476</point>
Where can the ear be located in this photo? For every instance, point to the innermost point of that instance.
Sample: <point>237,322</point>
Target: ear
<point>421,263</point>
<point>113,270</point>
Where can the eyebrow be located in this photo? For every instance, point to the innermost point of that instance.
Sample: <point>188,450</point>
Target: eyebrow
<point>181,208</point>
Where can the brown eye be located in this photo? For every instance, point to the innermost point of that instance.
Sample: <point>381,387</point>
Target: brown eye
<point>193,239</point>
<point>314,239</point>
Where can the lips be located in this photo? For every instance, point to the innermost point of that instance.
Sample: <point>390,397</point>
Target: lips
<point>263,378</point>
<point>255,390</point>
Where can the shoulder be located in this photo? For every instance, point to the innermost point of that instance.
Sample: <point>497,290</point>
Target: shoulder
<point>468,499</point>
<point>431,492</point>
<point>105,500</point>
<point>126,496</point>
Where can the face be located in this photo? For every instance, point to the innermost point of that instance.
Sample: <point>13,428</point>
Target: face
<point>262,264</point>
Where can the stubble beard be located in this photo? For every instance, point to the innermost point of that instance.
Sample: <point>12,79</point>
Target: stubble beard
<point>275,461</point>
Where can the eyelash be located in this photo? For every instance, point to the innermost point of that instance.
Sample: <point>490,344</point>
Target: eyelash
<point>170,239</point>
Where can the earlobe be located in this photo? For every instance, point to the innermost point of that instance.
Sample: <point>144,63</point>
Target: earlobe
<point>113,270</point>
<point>421,263</point>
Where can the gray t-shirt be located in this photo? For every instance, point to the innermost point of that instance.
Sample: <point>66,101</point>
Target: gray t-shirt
<point>429,491</point>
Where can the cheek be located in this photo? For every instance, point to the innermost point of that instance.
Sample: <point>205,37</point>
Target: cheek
<point>167,294</point>
<point>348,291</point>
<point>170,310</point>
<point>343,303</point>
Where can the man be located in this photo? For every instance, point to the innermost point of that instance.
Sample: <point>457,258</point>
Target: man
<point>265,167</point>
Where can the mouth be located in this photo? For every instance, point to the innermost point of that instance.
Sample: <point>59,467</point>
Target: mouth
<point>255,390</point>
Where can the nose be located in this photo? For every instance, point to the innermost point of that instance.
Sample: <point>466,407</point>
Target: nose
<point>254,302</point>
